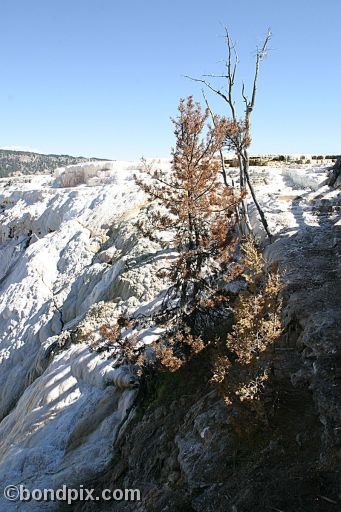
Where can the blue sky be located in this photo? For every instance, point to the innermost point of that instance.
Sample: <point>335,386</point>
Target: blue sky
<point>102,77</point>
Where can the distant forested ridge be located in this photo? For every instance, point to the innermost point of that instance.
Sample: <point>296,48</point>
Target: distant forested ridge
<point>25,162</point>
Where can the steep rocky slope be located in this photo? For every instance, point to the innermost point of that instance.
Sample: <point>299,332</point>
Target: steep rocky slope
<point>71,261</point>
<point>187,450</point>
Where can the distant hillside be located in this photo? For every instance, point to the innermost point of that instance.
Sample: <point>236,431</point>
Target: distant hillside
<point>25,162</point>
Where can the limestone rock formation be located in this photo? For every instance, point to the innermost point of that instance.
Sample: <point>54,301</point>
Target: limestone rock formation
<point>71,261</point>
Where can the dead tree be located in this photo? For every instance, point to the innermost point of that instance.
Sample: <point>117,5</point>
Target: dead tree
<point>238,135</point>
<point>193,206</point>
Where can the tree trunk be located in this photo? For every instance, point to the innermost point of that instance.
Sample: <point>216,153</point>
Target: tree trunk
<point>245,159</point>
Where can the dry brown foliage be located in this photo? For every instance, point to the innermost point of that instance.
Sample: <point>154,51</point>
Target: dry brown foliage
<point>256,329</point>
<point>237,135</point>
<point>170,351</point>
<point>119,342</point>
<point>194,206</point>
<point>176,350</point>
<point>257,310</point>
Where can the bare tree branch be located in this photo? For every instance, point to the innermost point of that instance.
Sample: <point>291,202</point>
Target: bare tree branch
<point>217,91</point>
<point>246,101</point>
<point>216,76</point>
<point>224,172</point>
<point>239,138</point>
<point>261,53</point>
<point>231,71</point>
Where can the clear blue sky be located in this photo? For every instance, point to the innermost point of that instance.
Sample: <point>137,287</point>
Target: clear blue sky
<point>102,77</point>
